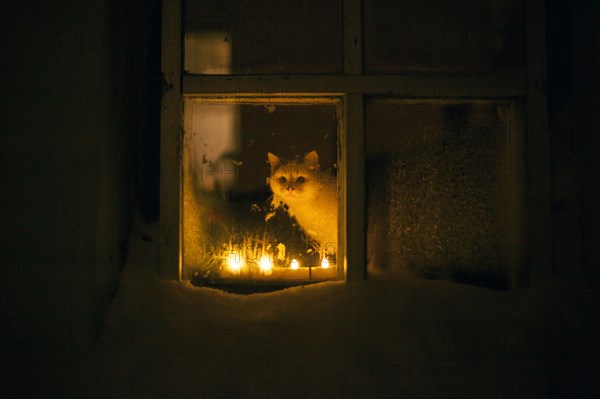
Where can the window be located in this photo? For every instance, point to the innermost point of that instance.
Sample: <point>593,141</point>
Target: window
<point>429,120</point>
<point>236,228</point>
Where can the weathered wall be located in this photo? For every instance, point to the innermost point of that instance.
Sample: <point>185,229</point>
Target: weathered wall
<point>71,106</point>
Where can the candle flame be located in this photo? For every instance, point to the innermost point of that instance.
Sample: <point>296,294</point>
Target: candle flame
<point>324,263</point>
<point>265,265</point>
<point>234,262</point>
<point>295,265</point>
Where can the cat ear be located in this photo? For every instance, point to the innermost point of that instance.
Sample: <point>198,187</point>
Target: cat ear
<point>311,158</point>
<point>273,159</point>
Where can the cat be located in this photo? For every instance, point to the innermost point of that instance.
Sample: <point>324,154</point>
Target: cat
<point>308,194</point>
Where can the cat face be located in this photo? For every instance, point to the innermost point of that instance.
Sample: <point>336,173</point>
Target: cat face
<point>295,181</point>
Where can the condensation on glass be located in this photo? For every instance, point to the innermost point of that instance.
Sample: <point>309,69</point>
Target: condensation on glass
<point>437,191</point>
<point>260,37</point>
<point>445,36</point>
<point>233,232</point>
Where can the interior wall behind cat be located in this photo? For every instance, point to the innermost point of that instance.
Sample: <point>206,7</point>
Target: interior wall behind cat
<point>72,105</point>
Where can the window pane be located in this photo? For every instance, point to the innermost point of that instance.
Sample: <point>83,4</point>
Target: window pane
<point>260,192</point>
<point>440,35</point>
<point>436,190</point>
<point>262,37</point>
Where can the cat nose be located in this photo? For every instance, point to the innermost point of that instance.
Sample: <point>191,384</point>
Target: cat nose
<point>290,188</point>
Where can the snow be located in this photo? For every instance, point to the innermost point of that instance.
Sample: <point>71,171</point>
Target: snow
<point>378,338</point>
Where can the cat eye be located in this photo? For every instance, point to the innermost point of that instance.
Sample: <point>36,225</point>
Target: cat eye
<point>282,179</point>
<point>300,180</point>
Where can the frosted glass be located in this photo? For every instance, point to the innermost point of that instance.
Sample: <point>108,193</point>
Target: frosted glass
<point>262,37</point>
<point>436,191</point>
<point>440,35</point>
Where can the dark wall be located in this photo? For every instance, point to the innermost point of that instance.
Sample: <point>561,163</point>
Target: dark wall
<point>74,100</point>
<point>573,87</point>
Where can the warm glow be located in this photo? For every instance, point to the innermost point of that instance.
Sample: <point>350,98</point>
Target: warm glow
<point>208,52</point>
<point>324,263</point>
<point>295,265</point>
<point>265,265</point>
<point>234,262</point>
<point>280,251</point>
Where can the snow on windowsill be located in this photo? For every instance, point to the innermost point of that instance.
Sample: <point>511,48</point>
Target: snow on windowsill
<point>398,338</point>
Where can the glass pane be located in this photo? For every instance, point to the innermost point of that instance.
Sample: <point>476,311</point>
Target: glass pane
<point>436,190</point>
<point>262,37</point>
<point>440,35</point>
<point>260,192</point>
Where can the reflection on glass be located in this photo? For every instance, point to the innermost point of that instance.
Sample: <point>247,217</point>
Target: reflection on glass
<point>262,37</point>
<point>260,191</point>
<point>440,35</point>
<point>208,52</point>
<point>436,192</point>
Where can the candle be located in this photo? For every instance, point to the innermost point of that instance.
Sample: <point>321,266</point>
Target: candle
<point>280,251</point>
<point>265,265</point>
<point>234,262</point>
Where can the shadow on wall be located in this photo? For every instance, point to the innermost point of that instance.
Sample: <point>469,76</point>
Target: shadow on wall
<point>78,102</point>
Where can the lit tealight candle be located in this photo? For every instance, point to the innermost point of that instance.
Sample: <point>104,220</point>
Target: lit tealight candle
<point>265,265</point>
<point>295,265</point>
<point>234,262</point>
<point>324,263</point>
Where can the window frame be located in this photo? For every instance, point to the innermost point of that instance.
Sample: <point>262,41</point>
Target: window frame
<point>527,152</point>
<point>308,99</point>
